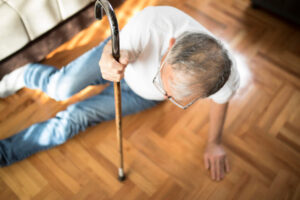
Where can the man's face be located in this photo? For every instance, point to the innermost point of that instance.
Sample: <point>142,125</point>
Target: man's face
<point>170,79</point>
<point>167,77</point>
<point>177,84</point>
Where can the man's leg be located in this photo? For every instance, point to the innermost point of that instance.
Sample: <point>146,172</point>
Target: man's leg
<point>65,82</point>
<point>61,83</point>
<point>68,123</point>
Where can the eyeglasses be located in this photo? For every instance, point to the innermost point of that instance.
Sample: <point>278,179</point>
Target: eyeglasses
<point>158,84</point>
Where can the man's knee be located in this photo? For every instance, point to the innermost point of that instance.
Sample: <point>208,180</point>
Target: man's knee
<point>74,118</point>
<point>61,91</point>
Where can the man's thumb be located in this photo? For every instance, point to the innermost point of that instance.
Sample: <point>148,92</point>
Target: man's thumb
<point>124,58</point>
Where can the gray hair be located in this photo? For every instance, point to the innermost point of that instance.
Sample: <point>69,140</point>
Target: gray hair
<point>201,65</point>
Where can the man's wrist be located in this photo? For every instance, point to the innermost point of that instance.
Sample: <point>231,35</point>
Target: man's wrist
<point>214,140</point>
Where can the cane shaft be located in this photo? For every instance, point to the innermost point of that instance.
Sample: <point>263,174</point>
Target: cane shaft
<point>118,108</point>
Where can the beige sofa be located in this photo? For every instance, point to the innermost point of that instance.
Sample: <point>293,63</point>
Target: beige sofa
<point>31,29</point>
<point>22,21</point>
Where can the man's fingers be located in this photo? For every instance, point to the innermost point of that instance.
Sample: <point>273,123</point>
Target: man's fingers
<point>113,77</point>
<point>227,165</point>
<point>213,169</point>
<point>116,65</point>
<point>218,168</point>
<point>124,60</point>
<point>206,162</point>
<point>222,168</point>
<point>116,71</point>
<point>112,74</point>
<point>117,78</point>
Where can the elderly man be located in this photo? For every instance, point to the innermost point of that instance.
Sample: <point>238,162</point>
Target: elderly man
<point>165,54</point>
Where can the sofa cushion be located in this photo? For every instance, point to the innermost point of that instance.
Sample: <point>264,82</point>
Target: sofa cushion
<point>13,33</point>
<point>38,16</point>
<point>68,9</point>
<point>26,20</point>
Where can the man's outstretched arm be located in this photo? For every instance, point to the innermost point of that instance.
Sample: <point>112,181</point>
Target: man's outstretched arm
<point>215,157</point>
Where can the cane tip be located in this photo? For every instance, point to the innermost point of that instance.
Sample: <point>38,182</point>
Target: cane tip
<point>122,178</point>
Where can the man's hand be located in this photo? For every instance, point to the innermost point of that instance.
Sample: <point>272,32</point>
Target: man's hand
<point>216,160</point>
<point>215,157</point>
<point>111,69</point>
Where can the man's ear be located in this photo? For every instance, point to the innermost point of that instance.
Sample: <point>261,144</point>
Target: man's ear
<point>171,42</point>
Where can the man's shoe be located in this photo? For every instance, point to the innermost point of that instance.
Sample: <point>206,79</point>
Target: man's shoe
<point>12,82</point>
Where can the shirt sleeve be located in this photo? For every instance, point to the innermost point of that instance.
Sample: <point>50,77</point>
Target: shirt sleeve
<point>230,87</point>
<point>134,35</point>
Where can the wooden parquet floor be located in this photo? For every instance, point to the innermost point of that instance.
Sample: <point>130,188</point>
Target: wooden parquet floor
<point>164,146</point>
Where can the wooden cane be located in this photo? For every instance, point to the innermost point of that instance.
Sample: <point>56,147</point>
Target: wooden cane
<point>118,108</point>
<point>101,5</point>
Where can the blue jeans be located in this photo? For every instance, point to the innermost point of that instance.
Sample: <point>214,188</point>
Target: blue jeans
<point>60,85</point>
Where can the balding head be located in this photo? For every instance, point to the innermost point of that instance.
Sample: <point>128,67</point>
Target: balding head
<point>200,65</point>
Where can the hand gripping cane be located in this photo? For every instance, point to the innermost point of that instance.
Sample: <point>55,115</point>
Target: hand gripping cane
<point>101,5</point>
